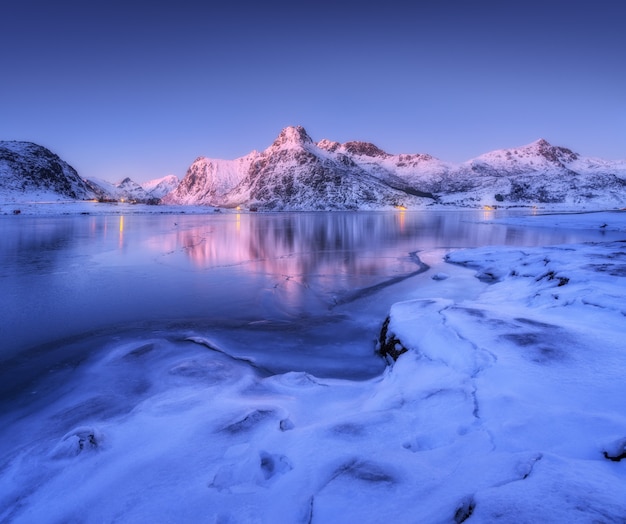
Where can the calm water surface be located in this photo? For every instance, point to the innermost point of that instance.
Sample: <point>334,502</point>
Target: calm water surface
<point>297,283</point>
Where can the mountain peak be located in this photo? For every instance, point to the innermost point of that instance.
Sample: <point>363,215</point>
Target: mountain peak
<point>365,149</point>
<point>542,142</point>
<point>552,153</point>
<point>292,135</point>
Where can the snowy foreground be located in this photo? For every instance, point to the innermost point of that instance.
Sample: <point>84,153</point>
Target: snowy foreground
<point>508,406</point>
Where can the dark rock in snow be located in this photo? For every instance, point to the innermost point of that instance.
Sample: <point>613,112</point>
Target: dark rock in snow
<point>616,450</point>
<point>388,344</point>
<point>464,510</point>
<point>364,148</point>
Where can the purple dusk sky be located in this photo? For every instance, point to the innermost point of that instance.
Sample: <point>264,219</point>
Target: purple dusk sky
<point>119,89</point>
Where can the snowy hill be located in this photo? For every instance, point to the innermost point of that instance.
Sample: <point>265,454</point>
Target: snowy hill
<point>129,190</point>
<point>299,174</point>
<point>30,172</point>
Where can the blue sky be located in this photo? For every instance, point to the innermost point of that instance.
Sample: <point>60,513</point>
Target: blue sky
<point>123,90</point>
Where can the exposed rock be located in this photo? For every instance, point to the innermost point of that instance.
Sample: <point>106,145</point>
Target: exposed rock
<point>388,344</point>
<point>465,510</point>
<point>364,148</point>
<point>79,440</point>
<point>616,450</point>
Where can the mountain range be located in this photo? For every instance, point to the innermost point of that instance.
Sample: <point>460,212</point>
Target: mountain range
<point>31,172</point>
<point>128,190</point>
<point>296,173</point>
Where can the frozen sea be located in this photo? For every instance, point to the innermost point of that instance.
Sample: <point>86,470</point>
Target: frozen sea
<point>222,367</point>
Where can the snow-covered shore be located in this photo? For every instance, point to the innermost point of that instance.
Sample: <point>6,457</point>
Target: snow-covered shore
<point>78,207</point>
<point>54,207</point>
<point>507,406</point>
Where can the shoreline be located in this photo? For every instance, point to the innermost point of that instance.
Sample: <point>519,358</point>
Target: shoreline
<point>77,207</point>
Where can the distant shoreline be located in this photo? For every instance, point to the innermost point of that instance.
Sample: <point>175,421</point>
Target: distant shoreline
<point>73,207</point>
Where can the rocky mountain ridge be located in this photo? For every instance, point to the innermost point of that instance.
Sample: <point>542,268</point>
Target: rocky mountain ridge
<point>128,190</point>
<point>29,171</point>
<point>296,173</point>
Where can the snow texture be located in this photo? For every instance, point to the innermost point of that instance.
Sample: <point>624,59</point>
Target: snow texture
<point>508,405</point>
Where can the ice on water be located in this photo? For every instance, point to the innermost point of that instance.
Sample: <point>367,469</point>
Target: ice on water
<point>507,406</point>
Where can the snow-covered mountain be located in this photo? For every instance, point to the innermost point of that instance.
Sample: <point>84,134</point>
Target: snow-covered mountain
<point>297,173</point>
<point>538,173</point>
<point>30,172</point>
<point>159,187</point>
<point>129,190</point>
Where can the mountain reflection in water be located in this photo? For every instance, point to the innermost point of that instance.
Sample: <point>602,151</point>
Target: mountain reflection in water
<point>70,275</point>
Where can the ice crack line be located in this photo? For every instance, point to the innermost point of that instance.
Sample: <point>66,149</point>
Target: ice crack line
<point>367,291</point>
<point>214,347</point>
<point>476,349</point>
<point>477,369</point>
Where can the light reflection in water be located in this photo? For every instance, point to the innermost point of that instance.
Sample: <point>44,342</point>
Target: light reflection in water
<point>300,257</point>
<point>121,241</point>
<point>108,270</point>
<point>401,219</point>
<point>488,213</point>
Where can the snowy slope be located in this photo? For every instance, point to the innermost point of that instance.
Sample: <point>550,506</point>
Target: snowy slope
<point>159,187</point>
<point>30,172</point>
<point>540,173</point>
<point>208,181</point>
<point>294,173</point>
<point>132,190</point>
<point>508,406</point>
<point>129,190</point>
<point>297,173</point>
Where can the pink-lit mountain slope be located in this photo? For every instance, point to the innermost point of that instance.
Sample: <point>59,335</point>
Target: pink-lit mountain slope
<point>296,173</point>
